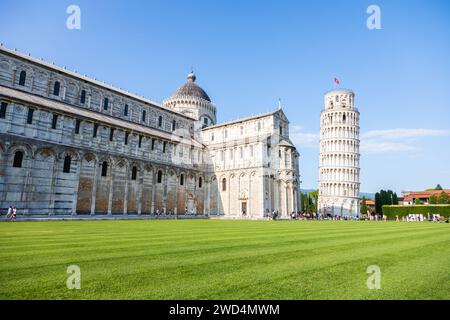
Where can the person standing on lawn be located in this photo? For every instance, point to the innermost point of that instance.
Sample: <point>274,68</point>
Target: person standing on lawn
<point>14,213</point>
<point>9,214</point>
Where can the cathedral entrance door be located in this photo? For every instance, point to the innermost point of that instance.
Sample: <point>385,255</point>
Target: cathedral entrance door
<point>244,208</point>
<point>190,205</point>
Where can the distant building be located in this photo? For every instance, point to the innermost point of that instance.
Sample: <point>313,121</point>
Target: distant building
<point>370,204</point>
<point>424,196</point>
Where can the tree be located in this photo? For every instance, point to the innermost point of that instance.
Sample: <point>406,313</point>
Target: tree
<point>395,198</point>
<point>378,203</point>
<point>384,199</point>
<point>433,199</point>
<point>315,199</point>
<point>303,200</point>
<point>364,207</point>
<point>307,203</point>
<point>443,198</point>
<point>417,201</point>
<point>438,187</point>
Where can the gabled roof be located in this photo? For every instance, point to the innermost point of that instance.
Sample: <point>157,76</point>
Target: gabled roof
<point>286,143</point>
<point>262,115</point>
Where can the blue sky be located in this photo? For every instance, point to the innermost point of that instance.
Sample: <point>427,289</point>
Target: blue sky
<point>247,54</point>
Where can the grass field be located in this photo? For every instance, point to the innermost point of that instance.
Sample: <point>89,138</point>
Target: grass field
<point>214,259</point>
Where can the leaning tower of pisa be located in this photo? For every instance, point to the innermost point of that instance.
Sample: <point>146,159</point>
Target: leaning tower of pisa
<point>339,155</point>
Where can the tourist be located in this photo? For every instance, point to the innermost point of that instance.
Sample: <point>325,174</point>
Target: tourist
<point>14,213</point>
<point>9,214</point>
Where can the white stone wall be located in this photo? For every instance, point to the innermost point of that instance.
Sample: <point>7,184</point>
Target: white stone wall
<point>171,176</point>
<point>260,171</point>
<point>40,80</point>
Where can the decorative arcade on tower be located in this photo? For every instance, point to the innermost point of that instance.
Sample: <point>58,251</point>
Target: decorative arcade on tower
<point>339,155</point>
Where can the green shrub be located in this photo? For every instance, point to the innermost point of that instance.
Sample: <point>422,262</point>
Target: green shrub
<point>402,211</point>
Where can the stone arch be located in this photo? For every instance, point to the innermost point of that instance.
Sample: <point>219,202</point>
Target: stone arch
<point>29,73</point>
<point>104,183</point>
<point>139,170</point>
<point>88,168</point>
<point>74,154</point>
<point>5,64</point>
<point>110,165</point>
<point>24,147</point>
<point>89,156</point>
<point>139,165</point>
<point>182,175</point>
<point>73,163</point>
<point>57,77</point>
<point>10,156</point>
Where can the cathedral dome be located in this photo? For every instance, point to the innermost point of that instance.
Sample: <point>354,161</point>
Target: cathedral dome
<point>190,89</point>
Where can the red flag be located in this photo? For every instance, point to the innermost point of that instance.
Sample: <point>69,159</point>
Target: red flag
<point>336,80</point>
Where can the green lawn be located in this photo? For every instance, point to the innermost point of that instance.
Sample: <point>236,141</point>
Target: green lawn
<point>215,259</point>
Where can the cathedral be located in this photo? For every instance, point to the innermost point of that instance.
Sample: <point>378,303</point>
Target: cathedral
<point>71,145</point>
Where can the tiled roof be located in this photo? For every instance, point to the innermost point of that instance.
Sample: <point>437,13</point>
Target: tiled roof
<point>190,89</point>
<point>423,194</point>
<point>92,115</point>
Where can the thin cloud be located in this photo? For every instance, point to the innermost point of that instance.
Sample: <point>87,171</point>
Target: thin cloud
<point>396,140</point>
<point>375,147</point>
<point>404,133</point>
<point>304,139</point>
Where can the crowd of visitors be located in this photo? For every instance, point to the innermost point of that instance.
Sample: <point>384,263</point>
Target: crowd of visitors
<point>376,217</point>
<point>319,216</point>
<point>274,215</point>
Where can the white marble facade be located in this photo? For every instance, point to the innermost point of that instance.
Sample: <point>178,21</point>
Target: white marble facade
<point>339,155</point>
<point>71,145</point>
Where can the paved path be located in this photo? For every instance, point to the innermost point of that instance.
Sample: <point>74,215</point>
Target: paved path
<point>99,217</point>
